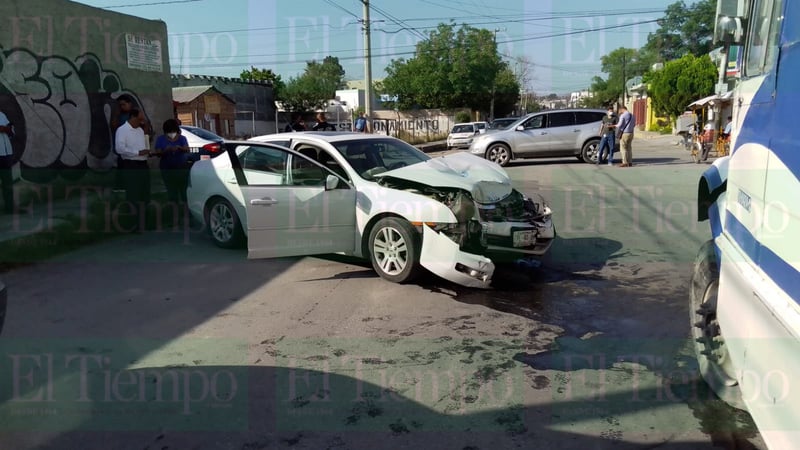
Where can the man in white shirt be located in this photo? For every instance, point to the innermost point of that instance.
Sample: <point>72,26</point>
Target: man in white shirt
<point>6,163</point>
<point>131,145</point>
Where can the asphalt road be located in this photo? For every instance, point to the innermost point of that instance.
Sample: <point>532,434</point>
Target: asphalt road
<point>163,341</point>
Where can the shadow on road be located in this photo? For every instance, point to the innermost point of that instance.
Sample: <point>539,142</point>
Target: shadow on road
<point>418,404</point>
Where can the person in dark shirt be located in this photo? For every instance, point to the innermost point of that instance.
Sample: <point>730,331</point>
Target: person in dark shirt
<point>297,125</point>
<point>173,149</point>
<point>607,137</point>
<point>322,124</point>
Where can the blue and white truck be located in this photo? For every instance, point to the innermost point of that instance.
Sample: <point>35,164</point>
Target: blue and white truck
<point>745,289</point>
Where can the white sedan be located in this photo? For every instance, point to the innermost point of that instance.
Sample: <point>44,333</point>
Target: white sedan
<point>370,196</point>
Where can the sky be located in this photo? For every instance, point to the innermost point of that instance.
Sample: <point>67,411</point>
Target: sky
<point>556,44</point>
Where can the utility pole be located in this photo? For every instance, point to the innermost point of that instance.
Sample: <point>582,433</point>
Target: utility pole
<point>624,84</point>
<point>494,79</point>
<point>367,66</point>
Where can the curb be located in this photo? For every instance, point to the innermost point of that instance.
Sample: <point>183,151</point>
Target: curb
<point>3,304</point>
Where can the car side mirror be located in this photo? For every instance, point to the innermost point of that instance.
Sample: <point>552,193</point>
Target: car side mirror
<point>520,128</point>
<point>331,182</point>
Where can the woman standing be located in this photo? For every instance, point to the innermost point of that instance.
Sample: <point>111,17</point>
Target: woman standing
<point>173,149</point>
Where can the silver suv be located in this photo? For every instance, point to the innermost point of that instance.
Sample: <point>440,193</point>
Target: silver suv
<point>545,134</point>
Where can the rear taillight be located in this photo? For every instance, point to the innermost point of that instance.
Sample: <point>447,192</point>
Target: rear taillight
<point>212,148</point>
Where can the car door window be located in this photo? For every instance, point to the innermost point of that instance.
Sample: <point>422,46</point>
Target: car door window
<point>561,119</point>
<point>305,173</point>
<point>536,122</point>
<point>324,158</point>
<point>264,165</point>
<point>584,117</point>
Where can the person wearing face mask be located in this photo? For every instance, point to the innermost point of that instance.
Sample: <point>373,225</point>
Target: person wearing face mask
<point>173,149</point>
<point>607,137</point>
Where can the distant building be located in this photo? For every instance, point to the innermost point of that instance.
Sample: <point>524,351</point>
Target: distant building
<point>576,97</point>
<point>558,103</point>
<point>255,102</point>
<point>205,107</point>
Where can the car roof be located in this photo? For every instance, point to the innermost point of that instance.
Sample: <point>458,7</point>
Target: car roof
<point>547,111</point>
<point>327,136</point>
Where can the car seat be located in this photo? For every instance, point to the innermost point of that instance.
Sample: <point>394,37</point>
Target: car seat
<point>327,160</point>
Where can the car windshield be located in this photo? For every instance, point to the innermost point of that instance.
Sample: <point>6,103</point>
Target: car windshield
<point>463,129</point>
<point>369,157</point>
<point>503,123</point>
<point>481,126</point>
<point>203,134</point>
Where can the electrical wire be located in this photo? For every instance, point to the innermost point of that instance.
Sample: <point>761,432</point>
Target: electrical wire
<point>168,2</point>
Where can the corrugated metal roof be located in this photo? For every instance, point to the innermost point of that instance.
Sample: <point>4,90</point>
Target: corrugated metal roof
<point>188,94</point>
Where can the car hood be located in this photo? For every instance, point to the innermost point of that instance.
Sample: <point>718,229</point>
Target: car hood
<point>484,180</point>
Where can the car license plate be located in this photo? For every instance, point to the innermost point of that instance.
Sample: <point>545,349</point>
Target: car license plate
<point>524,238</point>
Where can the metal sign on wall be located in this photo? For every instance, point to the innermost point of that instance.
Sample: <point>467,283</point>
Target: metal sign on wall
<point>144,54</point>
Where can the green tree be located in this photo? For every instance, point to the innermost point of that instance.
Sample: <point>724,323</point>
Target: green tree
<point>256,74</point>
<point>621,64</point>
<point>453,68</point>
<point>683,29</point>
<point>680,82</point>
<point>315,86</point>
<point>328,75</point>
<point>506,92</point>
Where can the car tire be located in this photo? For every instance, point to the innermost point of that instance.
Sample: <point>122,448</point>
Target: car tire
<point>589,151</point>
<point>713,360</point>
<point>499,154</point>
<point>394,249</point>
<point>223,224</point>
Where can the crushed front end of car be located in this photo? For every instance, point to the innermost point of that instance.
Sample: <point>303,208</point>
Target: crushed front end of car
<point>509,227</point>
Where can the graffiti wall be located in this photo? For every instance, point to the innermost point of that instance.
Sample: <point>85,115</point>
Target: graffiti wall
<point>429,123</point>
<point>62,67</point>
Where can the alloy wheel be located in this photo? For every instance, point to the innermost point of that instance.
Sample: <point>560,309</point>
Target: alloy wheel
<point>221,222</point>
<point>390,250</point>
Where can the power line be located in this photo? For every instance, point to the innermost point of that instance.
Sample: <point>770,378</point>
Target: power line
<point>341,8</point>
<point>169,2</point>
<point>398,22</point>
<point>399,53</point>
<point>404,26</point>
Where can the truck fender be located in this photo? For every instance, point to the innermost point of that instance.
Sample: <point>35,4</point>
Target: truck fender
<point>712,184</point>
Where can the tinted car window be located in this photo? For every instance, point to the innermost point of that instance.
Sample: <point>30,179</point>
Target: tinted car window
<point>561,119</point>
<point>463,129</point>
<point>264,160</point>
<point>584,117</point>
<point>204,134</point>
<point>536,122</point>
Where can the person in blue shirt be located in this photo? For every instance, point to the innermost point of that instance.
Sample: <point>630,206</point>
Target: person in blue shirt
<point>625,128</point>
<point>173,149</point>
<point>361,124</point>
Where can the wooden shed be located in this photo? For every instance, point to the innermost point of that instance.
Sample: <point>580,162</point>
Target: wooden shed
<point>205,107</point>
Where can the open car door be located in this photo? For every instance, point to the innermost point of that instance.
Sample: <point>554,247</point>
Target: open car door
<point>294,205</point>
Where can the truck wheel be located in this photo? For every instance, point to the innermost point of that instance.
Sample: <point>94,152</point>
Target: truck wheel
<point>394,248</point>
<point>713,359</point>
